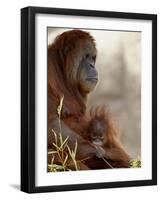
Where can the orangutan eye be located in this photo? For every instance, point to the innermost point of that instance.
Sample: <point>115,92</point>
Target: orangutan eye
<point>94,136</point>
<point>87,55</point>
<point>102,137</point>
<point>94,57</point>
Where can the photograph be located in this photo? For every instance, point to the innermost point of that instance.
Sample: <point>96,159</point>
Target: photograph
<point>94,99</point>
<point>88,99</point>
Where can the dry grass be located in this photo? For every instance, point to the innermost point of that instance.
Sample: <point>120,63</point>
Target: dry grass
<point>135,163</point>
<point>62,151</point>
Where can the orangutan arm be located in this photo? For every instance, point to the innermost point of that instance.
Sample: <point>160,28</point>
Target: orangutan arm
<point>85,148</point>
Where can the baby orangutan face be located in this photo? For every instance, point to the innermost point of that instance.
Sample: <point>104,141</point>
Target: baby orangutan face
<point>98,132</point>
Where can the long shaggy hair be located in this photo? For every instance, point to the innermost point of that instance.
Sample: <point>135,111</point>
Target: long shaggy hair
<point>64,58</point>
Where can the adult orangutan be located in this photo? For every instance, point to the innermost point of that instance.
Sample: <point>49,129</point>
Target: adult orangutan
<point>72,74</point>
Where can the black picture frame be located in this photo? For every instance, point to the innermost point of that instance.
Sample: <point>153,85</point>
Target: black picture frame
<point>28,98</point>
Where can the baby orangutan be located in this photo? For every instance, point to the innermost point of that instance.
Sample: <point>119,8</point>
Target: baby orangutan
<point>102,135</point>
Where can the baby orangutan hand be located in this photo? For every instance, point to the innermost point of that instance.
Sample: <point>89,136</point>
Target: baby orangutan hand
<point>100,152</point>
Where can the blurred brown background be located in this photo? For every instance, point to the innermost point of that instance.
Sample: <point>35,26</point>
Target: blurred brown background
<point>119,88</point>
